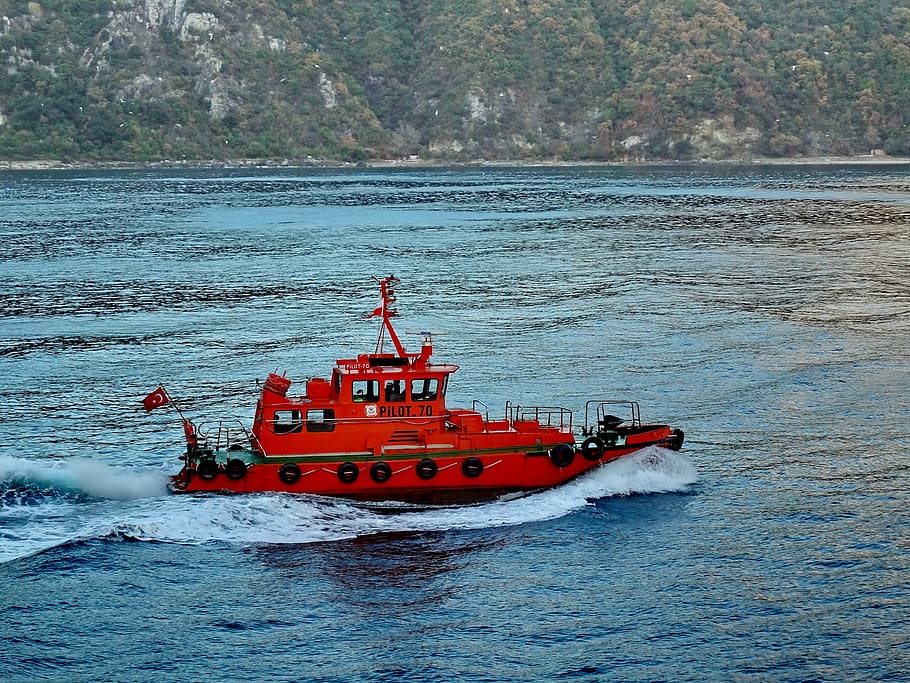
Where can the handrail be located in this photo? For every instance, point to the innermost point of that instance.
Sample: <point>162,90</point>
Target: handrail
<point>225,434</point>
<point>600,413</point>
<point>545,416</point>
<point>486,409</point>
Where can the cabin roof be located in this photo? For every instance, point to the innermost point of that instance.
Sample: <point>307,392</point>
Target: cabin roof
<point>353,368</point>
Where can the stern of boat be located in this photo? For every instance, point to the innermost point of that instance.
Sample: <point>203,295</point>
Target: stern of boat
<point>225,446</point>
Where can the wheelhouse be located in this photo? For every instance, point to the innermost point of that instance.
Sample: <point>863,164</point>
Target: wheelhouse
<point>367,401</point>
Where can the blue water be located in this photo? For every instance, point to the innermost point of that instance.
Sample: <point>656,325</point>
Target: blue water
<point>764,310</point>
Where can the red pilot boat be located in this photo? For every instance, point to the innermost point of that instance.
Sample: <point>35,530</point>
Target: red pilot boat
<point>379,429</point>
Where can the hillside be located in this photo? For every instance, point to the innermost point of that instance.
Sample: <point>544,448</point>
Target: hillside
<point>460,80</point>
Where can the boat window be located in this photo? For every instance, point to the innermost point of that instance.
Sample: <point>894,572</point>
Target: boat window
<point>365,390</point>
<point>336,382</point>
<point>320,420</point>
<point>287,421</point>
<point>394,391</point>
<point>424,389</point>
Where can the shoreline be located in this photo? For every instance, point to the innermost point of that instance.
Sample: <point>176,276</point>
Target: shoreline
<point>54,164</point>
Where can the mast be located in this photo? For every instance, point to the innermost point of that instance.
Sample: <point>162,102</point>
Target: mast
<point>386,310</point>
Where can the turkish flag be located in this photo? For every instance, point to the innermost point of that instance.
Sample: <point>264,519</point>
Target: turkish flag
<point>378,310</point>
<point>156,399</point>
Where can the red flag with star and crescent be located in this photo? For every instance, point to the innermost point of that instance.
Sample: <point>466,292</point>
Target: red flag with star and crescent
<point>156,399</point>
<point>378,310</point>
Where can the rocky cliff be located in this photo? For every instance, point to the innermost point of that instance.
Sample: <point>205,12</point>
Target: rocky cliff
<point>492,79</point>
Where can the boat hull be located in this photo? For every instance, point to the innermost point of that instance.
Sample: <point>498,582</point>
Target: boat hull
<point>444,479</point>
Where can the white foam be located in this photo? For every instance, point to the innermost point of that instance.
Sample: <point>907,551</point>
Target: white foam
<point>130,504</point>
<point>283,518</point>
<point>117,483</point>
<point>88,477</point>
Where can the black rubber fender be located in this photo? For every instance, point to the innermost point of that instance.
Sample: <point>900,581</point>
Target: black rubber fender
<point>562,455</point>
<point>472,467</point>
<point>348,472</point>
<point>235,469</point>
<point>676,441</point>
<point>289,473</point>
<point>592,448</point>
<point>207,470</point>
<point>426,469</point>
<point>380,472</point>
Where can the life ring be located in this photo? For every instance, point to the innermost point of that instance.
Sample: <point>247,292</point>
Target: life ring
<point>676,441</point>
<point>235,469</point>
<point>289,473</point>
<point>348,472</point>
<point>472,467</point>
<point>380,472</point>
<point>592,448</point>
<point>426,469</point>
<point>207,470</point>
<point>562,455</point>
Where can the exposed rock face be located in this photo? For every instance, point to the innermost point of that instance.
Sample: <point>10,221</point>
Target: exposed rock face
<point>527,80</point>
<point>138,26</point>
<point>327,88</point>
<point>163,13</point>
<point>719,138</point>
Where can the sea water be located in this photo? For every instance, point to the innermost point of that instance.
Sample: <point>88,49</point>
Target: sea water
<point>763,310</point>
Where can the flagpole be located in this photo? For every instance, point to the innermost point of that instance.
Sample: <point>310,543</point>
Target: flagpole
<point>170,399</point>
<point>189,429</point>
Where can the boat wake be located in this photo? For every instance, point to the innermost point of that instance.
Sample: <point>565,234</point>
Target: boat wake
<point>78,478</point>
<point>43,506</point>
<point>47,503</point>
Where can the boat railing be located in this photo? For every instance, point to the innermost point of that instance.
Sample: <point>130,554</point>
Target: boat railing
<point>599,415</point>
<point>555,417</point>
<point>486,409</point>
<point>225,435</point>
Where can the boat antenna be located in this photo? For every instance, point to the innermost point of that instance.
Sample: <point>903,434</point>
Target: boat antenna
<point>386,311</point>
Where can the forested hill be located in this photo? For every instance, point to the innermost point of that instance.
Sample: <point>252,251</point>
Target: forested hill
<point>455,80</point>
